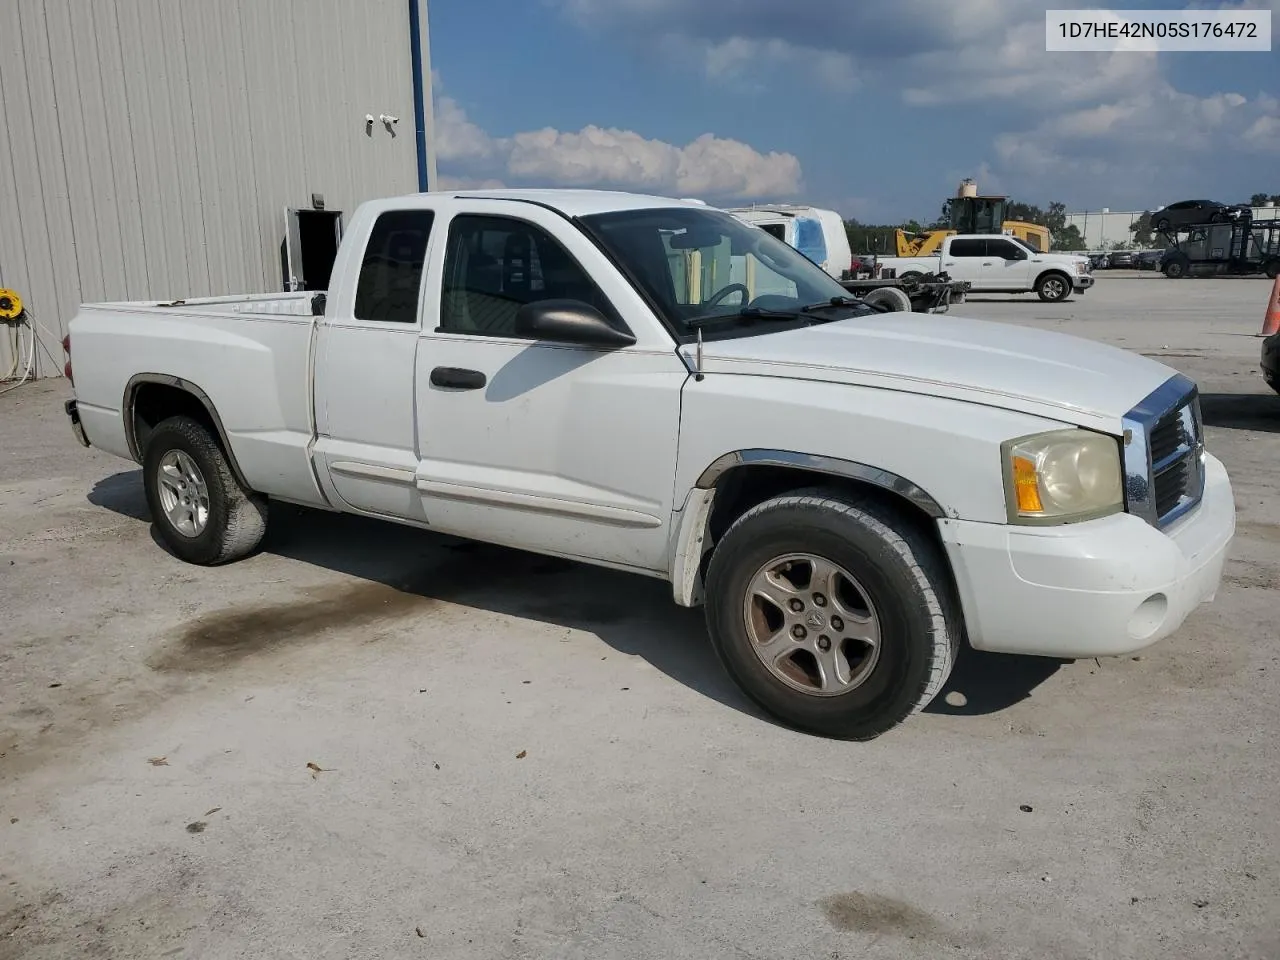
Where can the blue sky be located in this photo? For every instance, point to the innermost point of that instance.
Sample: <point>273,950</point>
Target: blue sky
<point>877,109</point>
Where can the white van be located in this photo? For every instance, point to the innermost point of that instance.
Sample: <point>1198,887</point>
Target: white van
<point>818,234</point>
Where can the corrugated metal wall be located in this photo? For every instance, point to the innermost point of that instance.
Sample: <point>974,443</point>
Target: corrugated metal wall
<point>149,147</point>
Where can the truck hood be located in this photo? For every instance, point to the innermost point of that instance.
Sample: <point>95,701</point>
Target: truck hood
<point>1016,368</point>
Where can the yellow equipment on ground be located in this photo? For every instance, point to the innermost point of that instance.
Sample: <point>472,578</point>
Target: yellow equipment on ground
<point>970,213</point>
<point>10,305</point>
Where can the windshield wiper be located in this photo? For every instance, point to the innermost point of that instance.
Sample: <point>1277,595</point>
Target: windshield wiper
<point>833,302</point>
<point>745,316</point>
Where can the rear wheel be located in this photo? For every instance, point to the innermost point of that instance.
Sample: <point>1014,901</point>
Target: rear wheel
<point>1053,287</point>
<point>832,612</point>
<point>1271,268</point>
<point>1163,225</point>
<point>200,510</point>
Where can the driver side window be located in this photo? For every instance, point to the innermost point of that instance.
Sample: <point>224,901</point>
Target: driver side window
<point>495,265</point>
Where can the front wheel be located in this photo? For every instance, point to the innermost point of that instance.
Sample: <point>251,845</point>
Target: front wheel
<point>1053,287</point>
<point>1175,268</point>
<point>832,612</point>
<point>200,510</point>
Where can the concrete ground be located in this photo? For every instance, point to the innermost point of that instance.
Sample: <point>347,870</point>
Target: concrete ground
<point>369,742</point>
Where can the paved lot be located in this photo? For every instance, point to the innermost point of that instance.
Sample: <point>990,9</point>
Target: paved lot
<point>524,758</point>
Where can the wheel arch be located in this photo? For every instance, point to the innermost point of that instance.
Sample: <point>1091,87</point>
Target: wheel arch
<point>150,397</point>
<point>1049,271</point>
<point>737,481</point>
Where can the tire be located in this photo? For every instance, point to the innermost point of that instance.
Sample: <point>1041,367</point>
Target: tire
<point>1271,268</point>
<point>1162,226</point>
<point>890,297</point>
<point>1175,268</point>
<point>1053,287</point>
<point>898,571</point>
<point>912,276</point>
<point>235,519</point>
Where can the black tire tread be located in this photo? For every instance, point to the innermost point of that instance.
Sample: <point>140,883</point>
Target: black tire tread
<point>893,297</point>
<point>1041,280</point>
<point>920,555</point>
<point>245,512</point>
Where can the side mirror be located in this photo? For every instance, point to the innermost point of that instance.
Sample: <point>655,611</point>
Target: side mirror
<point>569,321</point>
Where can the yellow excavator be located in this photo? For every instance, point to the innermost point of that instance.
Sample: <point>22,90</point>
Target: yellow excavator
<point>969,213</point>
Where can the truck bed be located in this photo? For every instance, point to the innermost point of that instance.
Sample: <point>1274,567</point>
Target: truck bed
<point>237,305</point>
<point>250,356</point>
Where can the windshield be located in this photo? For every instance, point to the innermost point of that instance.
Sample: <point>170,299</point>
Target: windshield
<point>700,266</point>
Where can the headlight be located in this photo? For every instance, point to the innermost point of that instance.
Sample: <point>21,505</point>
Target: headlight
<point>1062,476</point>
<point>1082,268</point>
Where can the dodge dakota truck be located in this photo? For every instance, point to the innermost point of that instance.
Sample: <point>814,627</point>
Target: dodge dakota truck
<point>654,386</point>
<point>992,263</point>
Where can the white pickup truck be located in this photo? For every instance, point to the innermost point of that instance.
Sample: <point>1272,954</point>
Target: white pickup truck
<point>999,264</point>
<point>593,375</point>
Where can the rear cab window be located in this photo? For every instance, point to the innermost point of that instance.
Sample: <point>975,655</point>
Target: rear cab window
<point>391,270</point>
<point>968,248</point>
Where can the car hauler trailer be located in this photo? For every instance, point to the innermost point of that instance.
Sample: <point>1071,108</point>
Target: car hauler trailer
<point>1212,249</point>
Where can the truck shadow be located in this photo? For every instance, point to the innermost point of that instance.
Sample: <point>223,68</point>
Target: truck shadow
<point>983,683</point>
<point>1242,411</point>
<point>632,614</point>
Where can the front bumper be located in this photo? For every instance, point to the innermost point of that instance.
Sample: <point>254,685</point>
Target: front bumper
<point>73,414</point>
<point>1100,588</point>
<point>1082,282</point>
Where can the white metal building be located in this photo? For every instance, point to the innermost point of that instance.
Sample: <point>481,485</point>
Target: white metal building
<point>1103,228</point>
<point>151,148</point>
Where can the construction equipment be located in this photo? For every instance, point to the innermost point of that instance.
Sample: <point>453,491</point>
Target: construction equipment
<point>969,213</point>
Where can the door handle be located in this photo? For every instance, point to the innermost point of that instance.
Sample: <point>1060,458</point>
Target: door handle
<point>457,378</point>
<point>989,263</point>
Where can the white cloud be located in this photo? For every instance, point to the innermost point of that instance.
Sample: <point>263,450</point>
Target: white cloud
<point>741,57</point>
<point>1158,137</point>
<point>1012,65</point>
<point>933,53</point>
<point>446,182</point>
<point>457,138</point>
<point>1061,125</point>
<point>709,166</point>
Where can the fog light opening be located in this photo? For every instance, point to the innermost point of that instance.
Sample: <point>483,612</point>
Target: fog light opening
<point>1147,618</point>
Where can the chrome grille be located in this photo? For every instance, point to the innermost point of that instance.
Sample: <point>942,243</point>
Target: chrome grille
<point>1164,453</point>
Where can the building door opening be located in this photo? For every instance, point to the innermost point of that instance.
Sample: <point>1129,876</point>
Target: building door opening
<point>309,248</point>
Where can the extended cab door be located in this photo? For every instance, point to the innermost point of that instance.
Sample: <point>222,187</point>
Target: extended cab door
<point>366,444</point>
<point>965,258</point>
<point>554,447</point>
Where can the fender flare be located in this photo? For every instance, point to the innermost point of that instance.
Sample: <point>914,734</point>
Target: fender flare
<point>186,386</point>
<point>814,463</point>
<point>1048,270</point>
<point>695,516</point>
